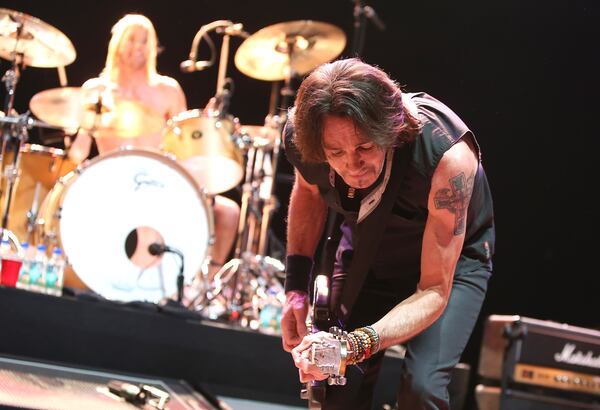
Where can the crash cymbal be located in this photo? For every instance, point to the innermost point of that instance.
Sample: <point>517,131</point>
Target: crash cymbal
<point>59,106</point>
<point>259,135</point>
<point>300,45</point>
<point>41,44</point>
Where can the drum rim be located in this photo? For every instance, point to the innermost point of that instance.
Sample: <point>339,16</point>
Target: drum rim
<point>156,153</point>
<point>68,179</point>
<point>64,183</point>
<point>38,148</point>
<point>195,113</point>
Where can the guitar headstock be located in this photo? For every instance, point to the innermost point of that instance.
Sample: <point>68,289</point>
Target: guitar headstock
<point>330,356</point>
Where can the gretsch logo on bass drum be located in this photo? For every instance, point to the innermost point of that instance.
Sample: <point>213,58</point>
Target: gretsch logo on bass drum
<point>142,178</point>
<point>570,355</point>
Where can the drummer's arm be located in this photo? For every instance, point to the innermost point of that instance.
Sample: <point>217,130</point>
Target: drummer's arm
<point>79,149</point>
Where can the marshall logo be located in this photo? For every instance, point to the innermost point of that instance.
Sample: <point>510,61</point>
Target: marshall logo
<point>571,356</point>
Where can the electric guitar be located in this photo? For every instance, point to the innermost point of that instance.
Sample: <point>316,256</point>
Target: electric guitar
<point>329,356</point>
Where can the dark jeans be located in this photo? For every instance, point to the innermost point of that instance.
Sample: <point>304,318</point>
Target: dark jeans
<point>430,356</point>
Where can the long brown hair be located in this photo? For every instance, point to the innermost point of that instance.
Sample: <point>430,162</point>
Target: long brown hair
<point>356,90</point>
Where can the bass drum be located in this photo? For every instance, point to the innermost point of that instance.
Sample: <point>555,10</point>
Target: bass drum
<point>107,213</point>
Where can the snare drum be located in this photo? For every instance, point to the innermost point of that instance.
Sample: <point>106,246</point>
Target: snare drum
<point>205,146</point>
<point>106,213</point>
<point>39,169</point>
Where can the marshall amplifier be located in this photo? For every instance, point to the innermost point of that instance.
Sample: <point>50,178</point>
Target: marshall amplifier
<point>533,364</point>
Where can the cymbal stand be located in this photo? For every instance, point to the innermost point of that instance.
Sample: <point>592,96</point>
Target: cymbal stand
<point>242,283</point>
<point>10,172</point>
<point>15,134</point>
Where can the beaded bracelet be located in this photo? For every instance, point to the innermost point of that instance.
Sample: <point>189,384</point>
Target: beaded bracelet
<point>375,340</point>
<point>360,345</point>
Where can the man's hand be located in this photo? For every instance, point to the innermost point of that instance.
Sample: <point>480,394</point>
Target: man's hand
<point>307,369</point>
<point>293,319</point>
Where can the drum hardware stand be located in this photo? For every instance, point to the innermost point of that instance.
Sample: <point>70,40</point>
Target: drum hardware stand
<point>242,281</point>
<point>10,173</point>
<point>245,279</point>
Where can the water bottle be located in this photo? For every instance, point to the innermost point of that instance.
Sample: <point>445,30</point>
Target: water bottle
<point>23,281</point>
<point>270,314</point>
<point>11,264</point>
<point>37,270</point>
<point>54,273</point>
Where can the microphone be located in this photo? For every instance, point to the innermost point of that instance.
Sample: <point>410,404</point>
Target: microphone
<point>156,249</point>
<point>234,30</point>
<point>189,66</point>
<point>371,14</point>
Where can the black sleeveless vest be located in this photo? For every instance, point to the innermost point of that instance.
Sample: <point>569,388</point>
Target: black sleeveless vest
<point>399,256</point>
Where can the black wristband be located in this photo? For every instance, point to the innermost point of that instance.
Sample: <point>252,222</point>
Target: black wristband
<point>298,271</point>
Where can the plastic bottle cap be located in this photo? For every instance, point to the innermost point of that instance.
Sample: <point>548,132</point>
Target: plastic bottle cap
<point>57,251</point>
<point>24,244</point>
<point>42,247</point>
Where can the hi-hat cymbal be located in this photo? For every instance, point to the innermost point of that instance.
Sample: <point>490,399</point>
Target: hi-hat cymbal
<point>299,46</point>
<point>41,44</point>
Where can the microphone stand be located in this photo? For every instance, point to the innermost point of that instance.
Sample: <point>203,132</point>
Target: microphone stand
<point>361,13</point>
<point>157,249</point>
<point>180,278</point>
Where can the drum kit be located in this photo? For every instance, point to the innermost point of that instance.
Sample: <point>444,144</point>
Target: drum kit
<point>104,213</point>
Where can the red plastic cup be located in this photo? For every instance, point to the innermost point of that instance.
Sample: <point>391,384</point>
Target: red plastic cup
<point>10,272</point>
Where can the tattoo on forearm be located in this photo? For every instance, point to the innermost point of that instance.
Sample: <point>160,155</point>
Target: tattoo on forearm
<point>456,199</point>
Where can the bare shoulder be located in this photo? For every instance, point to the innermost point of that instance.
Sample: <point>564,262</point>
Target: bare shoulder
<point>174,96</point>
<point>462,156</point>
<point>167,82</point>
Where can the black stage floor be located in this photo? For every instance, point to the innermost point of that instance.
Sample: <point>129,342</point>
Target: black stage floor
<point>215,359</point>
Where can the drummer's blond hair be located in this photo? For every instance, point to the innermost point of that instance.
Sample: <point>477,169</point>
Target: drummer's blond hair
<point>118,31</point>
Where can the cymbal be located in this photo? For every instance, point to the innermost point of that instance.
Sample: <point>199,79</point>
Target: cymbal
<point>260,135</point>
<point>125,118</point>
<point>299,45</point>
<point>59,106</point>
<point>41,44</point>
<point>73,107</point>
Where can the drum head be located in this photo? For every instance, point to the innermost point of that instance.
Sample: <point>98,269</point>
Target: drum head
<point>118,205</point>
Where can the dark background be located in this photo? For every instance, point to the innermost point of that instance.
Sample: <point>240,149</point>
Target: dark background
<point>522,74</point>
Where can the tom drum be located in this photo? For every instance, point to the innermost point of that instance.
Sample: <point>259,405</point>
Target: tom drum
<point>205,146</point>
